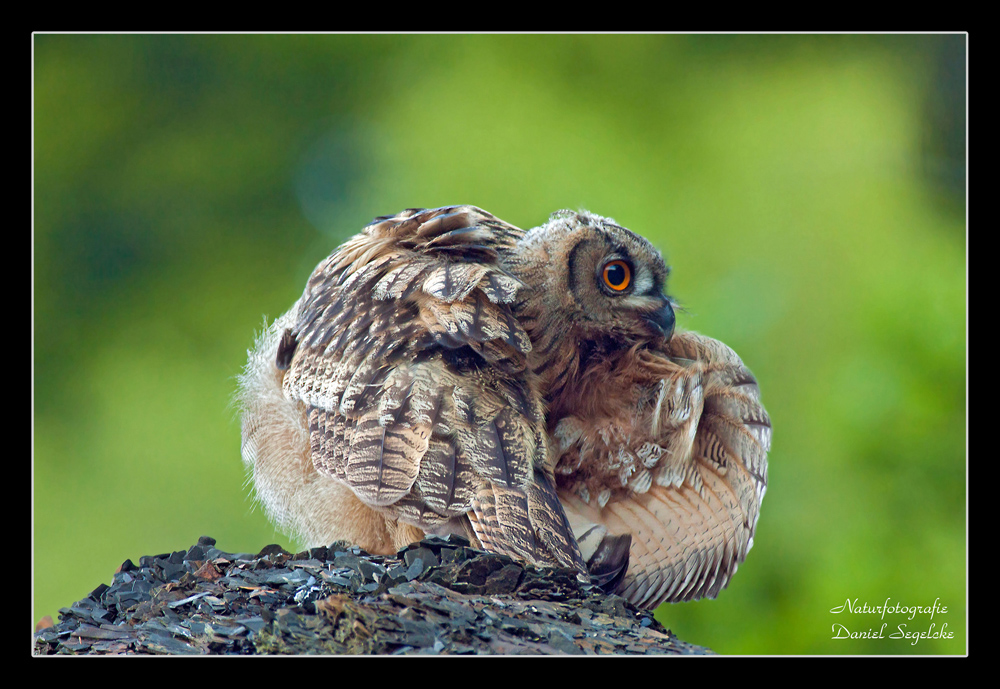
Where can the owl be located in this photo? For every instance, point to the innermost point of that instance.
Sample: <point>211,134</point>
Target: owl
<point>446,372</point>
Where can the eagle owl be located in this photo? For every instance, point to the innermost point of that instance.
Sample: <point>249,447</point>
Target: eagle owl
<point>447,372</point>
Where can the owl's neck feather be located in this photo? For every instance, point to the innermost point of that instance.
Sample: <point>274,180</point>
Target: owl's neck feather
<point>592,376</point>
<point>562,351</point>
<point>569,362</point>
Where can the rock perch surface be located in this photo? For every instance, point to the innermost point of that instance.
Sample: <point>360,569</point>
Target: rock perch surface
<point>437,596</point>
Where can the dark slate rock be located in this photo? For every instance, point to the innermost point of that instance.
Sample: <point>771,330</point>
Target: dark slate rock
<point>271,551</point>
<point>425,555</point>
<point>347,561</point>
<point>171,570</point>
<point>370,570</point>
<point>196,552</point>
<point>438,596</point>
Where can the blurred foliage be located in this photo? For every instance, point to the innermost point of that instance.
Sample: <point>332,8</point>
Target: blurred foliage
<point>809,192</point>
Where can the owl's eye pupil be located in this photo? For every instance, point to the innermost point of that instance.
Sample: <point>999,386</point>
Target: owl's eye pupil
<point>617,275</point>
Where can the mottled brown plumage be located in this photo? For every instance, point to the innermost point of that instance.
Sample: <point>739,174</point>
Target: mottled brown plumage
<point>657,436</point>
<point>406,363</point>
<point>445,371</point>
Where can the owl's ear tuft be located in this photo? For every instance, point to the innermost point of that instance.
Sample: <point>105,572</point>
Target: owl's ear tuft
<point>286,350</point>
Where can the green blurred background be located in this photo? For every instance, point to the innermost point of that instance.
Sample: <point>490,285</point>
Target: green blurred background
<point>808,191</point>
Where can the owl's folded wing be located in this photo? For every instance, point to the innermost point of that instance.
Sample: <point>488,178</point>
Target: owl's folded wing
<point>411,365</point>
<point>692,458</point>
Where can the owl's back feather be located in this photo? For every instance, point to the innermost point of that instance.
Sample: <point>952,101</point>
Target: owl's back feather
<point>411,367</point>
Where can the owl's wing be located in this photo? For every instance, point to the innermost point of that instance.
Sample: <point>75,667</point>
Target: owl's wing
<point>411,364</point>
<point>682,468</point>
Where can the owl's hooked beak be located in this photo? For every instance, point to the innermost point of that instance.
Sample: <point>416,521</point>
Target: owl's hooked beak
<point>661,321</point>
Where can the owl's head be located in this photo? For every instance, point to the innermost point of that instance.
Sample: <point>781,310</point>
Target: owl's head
<point>601,279</point>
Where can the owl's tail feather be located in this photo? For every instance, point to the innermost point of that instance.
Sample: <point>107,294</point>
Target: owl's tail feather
<point>529,524</point>
<point>552,528</point>
<point>609,562</point>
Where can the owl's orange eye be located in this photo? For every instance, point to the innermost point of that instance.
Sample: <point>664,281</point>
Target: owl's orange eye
<point>617,275</point>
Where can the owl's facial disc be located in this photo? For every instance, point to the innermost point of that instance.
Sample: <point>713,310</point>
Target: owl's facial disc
<point>603,278</point>
<point>634,287</point>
